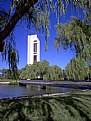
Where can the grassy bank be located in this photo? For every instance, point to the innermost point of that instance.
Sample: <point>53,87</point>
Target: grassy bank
<point>9,81</point>
<point>66,107</point>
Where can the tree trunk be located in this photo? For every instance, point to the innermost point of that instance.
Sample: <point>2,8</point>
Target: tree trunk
<point>19,13</point>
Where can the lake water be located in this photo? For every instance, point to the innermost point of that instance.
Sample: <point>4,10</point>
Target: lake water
<point>9,91</point>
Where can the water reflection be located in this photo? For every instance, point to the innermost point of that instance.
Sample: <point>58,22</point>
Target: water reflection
<point>9,91</point>
<point>49,89</point>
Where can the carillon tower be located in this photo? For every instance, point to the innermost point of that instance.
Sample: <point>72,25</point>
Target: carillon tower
<point>33,49</point>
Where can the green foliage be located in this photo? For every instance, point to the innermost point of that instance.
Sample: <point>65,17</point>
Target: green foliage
<point>13,83</point>
<point>67,107</point>
<point>75,34</point>
<point>11,55</point>
<point>41,69</point>
<point>8,74</point>
<point>77,69</point>
<point>53,73</point>
<point>4,17</point>
<point>35,70</point>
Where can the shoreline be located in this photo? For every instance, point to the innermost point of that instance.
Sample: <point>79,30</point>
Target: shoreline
<point>4,83</point>
<point>84,92</point>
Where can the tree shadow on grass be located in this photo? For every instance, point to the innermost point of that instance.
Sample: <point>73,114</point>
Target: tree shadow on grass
<point>76,102</point>
<point>77,107</point>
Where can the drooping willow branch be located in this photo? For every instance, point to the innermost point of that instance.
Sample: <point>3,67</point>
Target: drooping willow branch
<point>20,11</point>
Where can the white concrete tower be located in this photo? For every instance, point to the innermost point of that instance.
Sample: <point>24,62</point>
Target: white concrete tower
<point>33,49</point>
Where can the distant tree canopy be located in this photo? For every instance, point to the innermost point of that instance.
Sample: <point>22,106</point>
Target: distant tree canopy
<point>76,69</point>
<point>42,70</point>
<point>75,34</point>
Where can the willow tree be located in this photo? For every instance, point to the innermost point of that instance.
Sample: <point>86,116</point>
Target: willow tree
<point>76,34</point>
<point>77,69</point>
<point>29,11</point>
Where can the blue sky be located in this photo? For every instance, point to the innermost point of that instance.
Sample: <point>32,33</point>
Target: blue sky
<point>54,57</point>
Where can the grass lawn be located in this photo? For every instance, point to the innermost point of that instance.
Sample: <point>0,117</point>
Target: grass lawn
<point>9,81</point>
<point>6,80</point>
<point>74,106</point>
